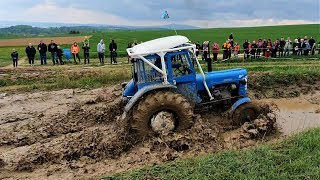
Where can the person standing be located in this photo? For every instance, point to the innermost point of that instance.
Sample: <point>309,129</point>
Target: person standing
<point>264,48</point>
<point>101,48</point>
<point>113,52</point>
<point>306,48</point>
<point>198,47</point>
<point>259,44</point>
<point>128,56</point>
<point>231,40</point>
<point>31,53</point>
<point>282,43</point>
<point>15,57</point>
<point>53,48</point>
<point>269,48</point>
<point>296,47</point>
<point>287,47</point>
<point>59,55</point>
<point>275,48</point>
<point>86,52</point>
<point>42,48</point>
<point>302,46</point>
<point>75,49</point>
<point>254,48</point>
<point>312,43</point>
<point>246,49</point>
<point>226,50</point>
<point>236,50</point>
<point>215,51</point>
<point>205,50</point>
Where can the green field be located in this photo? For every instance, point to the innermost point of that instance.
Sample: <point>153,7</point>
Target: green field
<point>295,158</point>
<point>95,76</point>
<point>214,35</point>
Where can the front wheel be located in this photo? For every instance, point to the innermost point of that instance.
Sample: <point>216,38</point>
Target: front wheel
<point>245,113</point>
<point>162,112</point>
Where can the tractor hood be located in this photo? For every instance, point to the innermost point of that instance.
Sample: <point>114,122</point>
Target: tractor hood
<point>221,77</point>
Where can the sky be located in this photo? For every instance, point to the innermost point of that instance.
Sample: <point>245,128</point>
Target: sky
<point>200,13</point>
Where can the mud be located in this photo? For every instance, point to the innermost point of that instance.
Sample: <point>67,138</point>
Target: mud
<point>74,134</point>
<point>299,114</point>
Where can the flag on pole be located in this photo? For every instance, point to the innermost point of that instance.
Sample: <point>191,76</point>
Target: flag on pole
<point>165,15</point>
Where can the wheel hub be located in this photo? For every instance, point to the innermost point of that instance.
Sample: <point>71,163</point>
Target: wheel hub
<point>163,122</point>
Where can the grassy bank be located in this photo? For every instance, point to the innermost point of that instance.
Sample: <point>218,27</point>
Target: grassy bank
<point>263,75</point>
<point>295,158</point>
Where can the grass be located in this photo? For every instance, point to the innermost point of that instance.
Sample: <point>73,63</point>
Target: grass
<point>295,158</point>
<point>95,76</point>
<point>214,35</point>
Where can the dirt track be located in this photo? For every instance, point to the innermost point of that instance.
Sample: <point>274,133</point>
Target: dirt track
<point>35,41</point>
<point>74,134</point>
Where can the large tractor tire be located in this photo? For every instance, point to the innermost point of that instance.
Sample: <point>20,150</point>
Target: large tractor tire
<point>162,112</point>
<point>245,113</point>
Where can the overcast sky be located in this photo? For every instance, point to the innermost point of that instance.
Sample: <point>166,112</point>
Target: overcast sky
<point>201,13</point>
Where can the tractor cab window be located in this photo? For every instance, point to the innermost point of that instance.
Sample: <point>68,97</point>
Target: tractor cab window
<point>180,65</point>
<point>144,73</point>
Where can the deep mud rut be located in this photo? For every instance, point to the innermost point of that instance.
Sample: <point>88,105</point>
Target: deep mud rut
<point>74,134</point>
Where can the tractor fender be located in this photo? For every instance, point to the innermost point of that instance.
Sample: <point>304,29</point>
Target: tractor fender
<point>144,91</point>
<point>239,103</point>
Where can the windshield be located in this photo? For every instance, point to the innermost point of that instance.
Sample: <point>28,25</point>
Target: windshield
<point>144,73</point>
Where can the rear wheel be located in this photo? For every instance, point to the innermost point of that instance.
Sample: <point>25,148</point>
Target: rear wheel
<point>245,113</point>
<point>162,112</point>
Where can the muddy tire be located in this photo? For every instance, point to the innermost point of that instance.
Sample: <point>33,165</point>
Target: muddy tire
<point>157,102</point>
<point>245,113</point>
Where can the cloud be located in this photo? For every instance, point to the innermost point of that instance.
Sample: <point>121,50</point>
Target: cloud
<point>245,23</point>
<point>218,13</point>
<point>51,12</point>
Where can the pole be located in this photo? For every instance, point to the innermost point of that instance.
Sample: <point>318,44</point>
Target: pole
<point>174,28</point>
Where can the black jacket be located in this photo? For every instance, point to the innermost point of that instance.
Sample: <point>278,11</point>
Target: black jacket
<point>245,45</point>
<point>59,53</point>
<point>52,47</point>
<point>282,44</point>
<point>86,49</point>
<point>31,51</point>
<point>42,48</point>
<point>312,42</point>
<point>113,46</point>
<point>14,55</point>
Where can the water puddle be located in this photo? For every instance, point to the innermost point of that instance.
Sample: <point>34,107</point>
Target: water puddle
<point>296,115</point>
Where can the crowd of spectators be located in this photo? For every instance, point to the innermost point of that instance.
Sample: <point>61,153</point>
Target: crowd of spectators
<point>57,53</point>
<point>256,49</point>
<point>259,48</point>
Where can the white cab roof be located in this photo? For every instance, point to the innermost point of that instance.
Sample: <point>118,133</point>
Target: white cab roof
<point>158,45</point>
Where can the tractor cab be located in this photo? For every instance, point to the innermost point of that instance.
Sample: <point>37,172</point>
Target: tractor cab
<point>173,67</point>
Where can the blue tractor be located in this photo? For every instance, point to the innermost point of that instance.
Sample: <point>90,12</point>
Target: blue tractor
<point>165,89</point>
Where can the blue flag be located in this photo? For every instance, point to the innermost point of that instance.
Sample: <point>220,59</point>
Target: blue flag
<point>165,15</point>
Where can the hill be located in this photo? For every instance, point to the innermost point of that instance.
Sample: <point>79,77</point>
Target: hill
<point>54,29</point>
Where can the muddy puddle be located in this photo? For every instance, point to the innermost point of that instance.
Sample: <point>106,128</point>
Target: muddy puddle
<point>298,114</point>
<point>76,134</point>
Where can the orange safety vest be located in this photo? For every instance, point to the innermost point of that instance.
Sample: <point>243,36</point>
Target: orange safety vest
<point>75,49</point>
